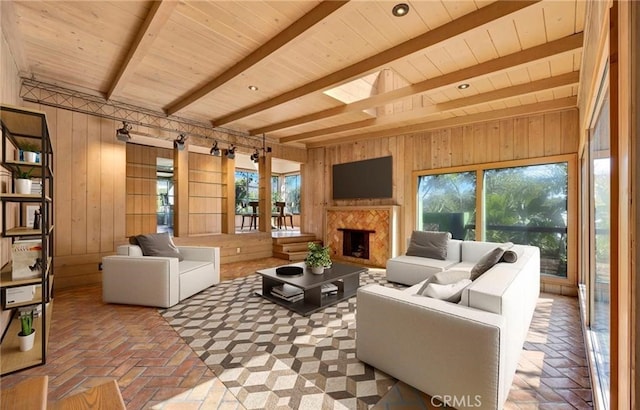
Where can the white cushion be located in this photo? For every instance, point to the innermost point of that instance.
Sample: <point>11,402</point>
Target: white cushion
<point>450,293</point>
<point>410,270</point>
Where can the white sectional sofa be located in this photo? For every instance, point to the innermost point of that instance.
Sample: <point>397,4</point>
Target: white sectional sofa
<point>133,279</point>
<point>465,353</point>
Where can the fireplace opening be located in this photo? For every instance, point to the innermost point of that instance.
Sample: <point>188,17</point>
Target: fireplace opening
<point>355,242</point>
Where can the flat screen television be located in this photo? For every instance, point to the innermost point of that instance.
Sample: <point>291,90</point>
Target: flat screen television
<point>371,178</point>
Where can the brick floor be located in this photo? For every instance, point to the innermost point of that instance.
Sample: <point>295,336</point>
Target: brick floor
<point>92,342</point>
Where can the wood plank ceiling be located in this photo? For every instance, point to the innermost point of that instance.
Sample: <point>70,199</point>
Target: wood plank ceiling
<point>325,71</point>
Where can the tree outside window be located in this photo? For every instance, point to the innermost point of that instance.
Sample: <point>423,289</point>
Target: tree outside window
<point>246,189</point>
<point>525,205</point>
<point>292,192</point>
<point>447,202</point>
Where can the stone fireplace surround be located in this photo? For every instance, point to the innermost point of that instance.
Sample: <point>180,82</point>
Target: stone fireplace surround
<point>383,243</point>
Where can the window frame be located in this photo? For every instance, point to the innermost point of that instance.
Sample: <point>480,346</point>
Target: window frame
<point>572,204</point>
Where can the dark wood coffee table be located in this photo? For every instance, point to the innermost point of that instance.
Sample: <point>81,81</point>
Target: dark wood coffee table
<point>345,277</point>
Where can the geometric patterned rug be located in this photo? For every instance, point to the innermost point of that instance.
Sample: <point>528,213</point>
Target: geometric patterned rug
<point>270,357</point>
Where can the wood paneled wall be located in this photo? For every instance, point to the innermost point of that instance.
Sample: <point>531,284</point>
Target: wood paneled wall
<point>90,200</point>
<point>205,194</point>
<point>524,137</point>
<point>142,187</point>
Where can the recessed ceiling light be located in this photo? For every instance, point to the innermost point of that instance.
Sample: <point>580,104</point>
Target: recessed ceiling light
<point>400,9</point>
<point>253,88</point>
<point>463,86</point>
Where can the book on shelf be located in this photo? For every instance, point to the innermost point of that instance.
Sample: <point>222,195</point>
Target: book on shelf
<point>26,256</point>
<point>287,290</point>
<point>19,294</point>
<point>291,299</point>
<point>36,186</point>
<point>328,288</point>
<point>36,309</point>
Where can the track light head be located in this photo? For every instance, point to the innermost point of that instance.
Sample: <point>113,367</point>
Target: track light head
<point>122,134</point>
<point>255,157</point>
<point>231,152</point>
<point>179,142</point>
<point>215,151</point>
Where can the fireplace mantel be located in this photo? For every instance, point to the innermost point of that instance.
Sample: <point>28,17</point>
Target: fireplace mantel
<point>382,220</point>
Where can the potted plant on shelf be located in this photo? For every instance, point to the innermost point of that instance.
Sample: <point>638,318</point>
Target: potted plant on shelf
<point>27,334</point>
<point>23,181</point>
<point>318,257</point>
<point>30,151</point>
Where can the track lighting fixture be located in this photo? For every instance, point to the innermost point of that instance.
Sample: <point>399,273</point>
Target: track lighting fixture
<point>255,157</point>
<point>215,151</point>
<point>122,134</point>
<point>231,152</point>
<point>179,142</point>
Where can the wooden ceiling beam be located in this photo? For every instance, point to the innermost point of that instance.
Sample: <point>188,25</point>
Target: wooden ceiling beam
<point>154,22</point>
<point>454,28</point>
<point>529,109</point>
<point>527,56</point>
<point>513,91</point>
<point>501,94</point>
<point>301,25</point>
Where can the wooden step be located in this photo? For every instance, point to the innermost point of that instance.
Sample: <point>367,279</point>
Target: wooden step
<point>291,256</point>
<point>293,247</point>
<point>305,237</point>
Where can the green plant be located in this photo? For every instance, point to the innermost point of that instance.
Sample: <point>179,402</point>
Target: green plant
<point>26,322</point>
<point>318,255</point>
<point>20,174</point>
<point>29,146</point>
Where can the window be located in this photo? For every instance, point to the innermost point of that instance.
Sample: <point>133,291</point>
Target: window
<point>600,222</point>
<point>246,189</point>
<point>291,194</point>
<point>528,205</point>
<point>275,191</point>
<point>517,201</point>
<point>447,202</point>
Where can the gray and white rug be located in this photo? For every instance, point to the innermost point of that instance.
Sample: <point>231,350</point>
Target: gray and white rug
<point>270,357</point>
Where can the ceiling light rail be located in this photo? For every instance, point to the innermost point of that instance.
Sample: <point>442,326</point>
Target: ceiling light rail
<point>130,116</point>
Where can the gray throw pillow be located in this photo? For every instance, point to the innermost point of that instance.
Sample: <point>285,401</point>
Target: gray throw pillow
<point>158,244</point>
<point>509,257</point>
<point>429,244</point>
<point>486,262</point>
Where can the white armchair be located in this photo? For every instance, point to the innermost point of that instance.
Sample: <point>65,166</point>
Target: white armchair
<point>133,279</point>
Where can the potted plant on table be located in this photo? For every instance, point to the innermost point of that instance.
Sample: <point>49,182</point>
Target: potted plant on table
<point>318,257</point>
<point>27,334</point>
<point>23,181</point>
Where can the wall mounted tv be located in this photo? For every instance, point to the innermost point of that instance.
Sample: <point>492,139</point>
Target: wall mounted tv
<point>371,178</point>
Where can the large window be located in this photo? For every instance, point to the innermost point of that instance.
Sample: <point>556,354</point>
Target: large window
<point>528,205</point>
<point>600,222</point>
<point>291,194</point>
<point>524,204</point>
<point>447,202</point>
<point>246,189</point>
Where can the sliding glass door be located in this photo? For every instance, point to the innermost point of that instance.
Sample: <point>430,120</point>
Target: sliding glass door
<point>600,241</point>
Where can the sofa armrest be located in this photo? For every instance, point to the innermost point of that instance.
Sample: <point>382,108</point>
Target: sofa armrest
<point>438,347</point>
<point>140,280</point>
<point>199,253</point>
<point>203,253</point>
